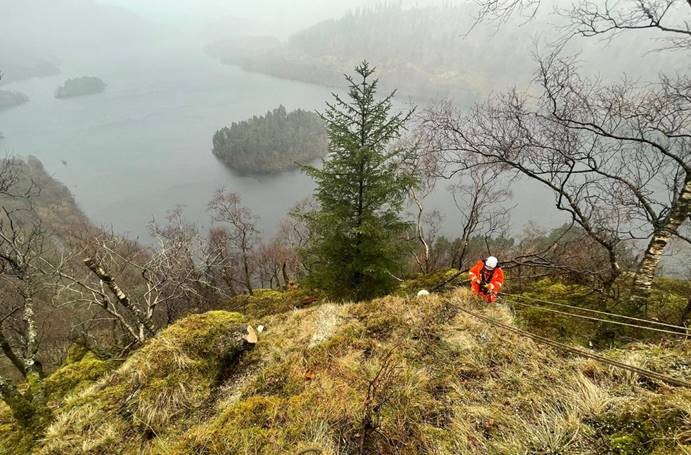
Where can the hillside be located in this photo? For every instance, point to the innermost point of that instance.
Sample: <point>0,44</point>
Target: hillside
<point>9,99</point>
<point>394,375</point>
<point>17,66</point>
<point>33,44</point>
<point>426,52</point>
<point>52,201</point>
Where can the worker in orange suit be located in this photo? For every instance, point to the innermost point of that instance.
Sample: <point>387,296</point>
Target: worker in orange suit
<point>486,279</point>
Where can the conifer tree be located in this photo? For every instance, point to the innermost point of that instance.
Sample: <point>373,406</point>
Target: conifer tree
<point>357,231</point>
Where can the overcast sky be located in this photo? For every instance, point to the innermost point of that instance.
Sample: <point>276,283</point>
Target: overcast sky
<point>277,17</point>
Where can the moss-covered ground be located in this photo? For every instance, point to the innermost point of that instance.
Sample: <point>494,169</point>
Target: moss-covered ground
<point>396,375</point>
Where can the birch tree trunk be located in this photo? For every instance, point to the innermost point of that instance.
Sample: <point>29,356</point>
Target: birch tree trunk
<point>31,336</point>
<point>680,212</point>
<point>425,262</point>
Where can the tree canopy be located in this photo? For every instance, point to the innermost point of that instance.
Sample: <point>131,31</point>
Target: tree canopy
<point>80,86</point>
<point>357,230</point>
<point>272,143</point>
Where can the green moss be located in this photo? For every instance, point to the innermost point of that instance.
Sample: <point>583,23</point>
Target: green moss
<point>250,426</point>
<point>15,440</point>
<point>79,373</point>
<point>645,426</point>
<point>428,281</point>
<point>626,444</point>
<point>265,302</point>
<point>152,394</point>
<point>75,353</point>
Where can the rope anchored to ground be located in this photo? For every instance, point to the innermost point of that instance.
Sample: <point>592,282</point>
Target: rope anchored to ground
<point>564,347</point>
<point>592,311</point>
<point>591,318</point>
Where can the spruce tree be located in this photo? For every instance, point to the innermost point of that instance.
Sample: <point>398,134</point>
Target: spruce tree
<point>357,231</point>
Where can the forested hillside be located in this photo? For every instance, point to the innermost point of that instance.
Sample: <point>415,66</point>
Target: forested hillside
<point>427,52</point>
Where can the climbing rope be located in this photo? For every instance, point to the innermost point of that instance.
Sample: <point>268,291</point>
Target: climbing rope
<point>591,318</point>
<point>564,347</point>
<point>590,310</point>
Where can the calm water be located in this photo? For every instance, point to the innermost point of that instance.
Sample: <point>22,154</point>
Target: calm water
<point>143,146</point>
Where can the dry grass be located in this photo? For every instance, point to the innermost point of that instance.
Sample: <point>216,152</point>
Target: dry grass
<point>391,376</point>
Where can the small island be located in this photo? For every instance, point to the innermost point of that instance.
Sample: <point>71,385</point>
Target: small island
<point>272,143</point>
<point>80,86</point>
<point>10,99</point>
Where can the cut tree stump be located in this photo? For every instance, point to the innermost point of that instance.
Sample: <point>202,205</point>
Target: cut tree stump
<point>251,336</point>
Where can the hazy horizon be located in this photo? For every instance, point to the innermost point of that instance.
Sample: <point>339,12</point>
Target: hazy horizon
<point>167,94</point>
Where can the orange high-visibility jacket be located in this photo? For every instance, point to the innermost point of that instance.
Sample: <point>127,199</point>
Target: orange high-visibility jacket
<point>494,279</point>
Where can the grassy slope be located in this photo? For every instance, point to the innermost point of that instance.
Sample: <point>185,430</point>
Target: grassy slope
<point>447,384</point>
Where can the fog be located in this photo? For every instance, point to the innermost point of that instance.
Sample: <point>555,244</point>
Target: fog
<point>178,71</point>
<point>206,17</point>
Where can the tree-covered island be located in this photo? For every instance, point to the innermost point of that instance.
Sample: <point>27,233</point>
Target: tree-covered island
<point>272,143</point>
<point>80,86</point>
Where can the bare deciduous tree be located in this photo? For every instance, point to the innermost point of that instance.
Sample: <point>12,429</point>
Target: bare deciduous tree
<point>616,155</point>
<point>142,289</point>
<point>480,195</point>
<point>502,10</point>
<point>422,162</point>
<point>607,18</point>
<point>183,263</point>
<point>505,134</point>
<point>242,233</point>
<point>639,147</point>
<point>22,245</point>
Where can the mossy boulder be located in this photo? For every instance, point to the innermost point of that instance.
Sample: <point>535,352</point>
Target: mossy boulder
<point>265,302</point>
<point>153,393</point>
<point>76,375</point>
<point>14,439</point>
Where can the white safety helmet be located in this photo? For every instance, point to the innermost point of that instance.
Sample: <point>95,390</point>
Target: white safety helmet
<point>491,262</point>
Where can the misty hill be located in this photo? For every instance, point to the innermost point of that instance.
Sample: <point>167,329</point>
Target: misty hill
<point>420,51</point>
<point>393,375</point>
<point>51,200</point>
<point>19,66</point>
<point>34,44</point>
<point>425,52</point>
<point>10,99</point>
<point>272,143</point>
<point>80,86</point>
